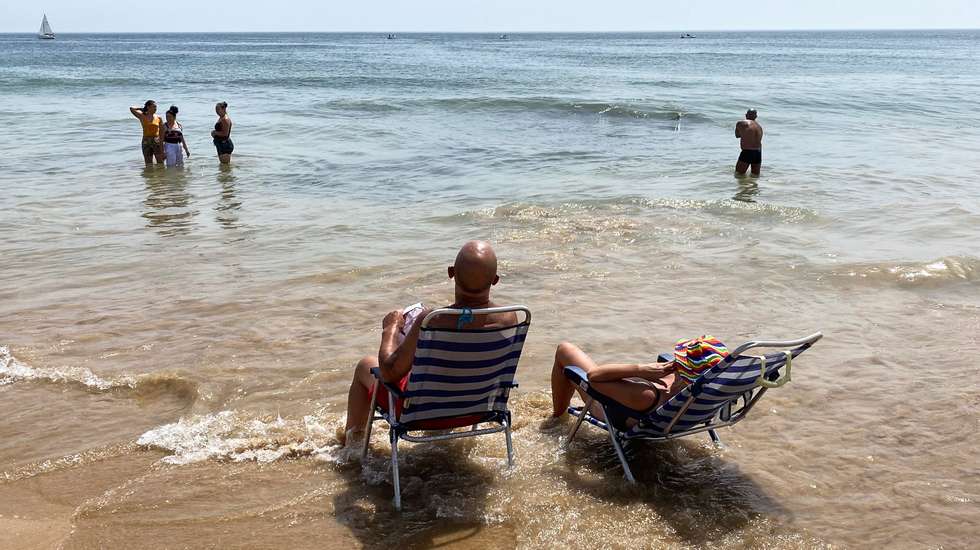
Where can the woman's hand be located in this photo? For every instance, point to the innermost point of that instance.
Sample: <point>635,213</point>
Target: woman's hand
<point>656,371</point>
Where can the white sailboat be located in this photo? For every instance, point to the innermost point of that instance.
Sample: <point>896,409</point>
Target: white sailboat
<point>45,33</point>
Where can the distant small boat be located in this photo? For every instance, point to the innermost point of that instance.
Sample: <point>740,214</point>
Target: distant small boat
<point>502,37</point>
<point>391,37</point>
<point>45,33</point>
<point>688,36</point>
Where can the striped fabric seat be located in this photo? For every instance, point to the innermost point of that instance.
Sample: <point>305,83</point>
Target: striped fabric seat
<point>460,378</point>
<point>462,372</point>
<point>724,383</point>
<point>708,403</point>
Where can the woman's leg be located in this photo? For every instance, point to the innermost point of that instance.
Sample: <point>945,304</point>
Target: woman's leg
<point>224,159</point>
<point>639,395</point>
<point>158,153</point>
<point>359,396</point>
<point>562,388</point>
<point>147,155</point>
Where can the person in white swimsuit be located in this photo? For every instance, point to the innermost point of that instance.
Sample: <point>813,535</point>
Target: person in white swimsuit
<point>173,139</point>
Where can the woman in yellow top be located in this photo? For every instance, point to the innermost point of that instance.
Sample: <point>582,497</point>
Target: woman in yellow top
<point>152,143</point>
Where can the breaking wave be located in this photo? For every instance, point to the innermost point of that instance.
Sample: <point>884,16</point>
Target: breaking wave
<point>622,109</point>
<point>726,207</point>
<point>931,274</point>
<point>233,436</point>
<point>12,371</point>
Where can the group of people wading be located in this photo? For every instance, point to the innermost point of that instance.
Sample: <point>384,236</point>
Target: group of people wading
<point>164,141</point>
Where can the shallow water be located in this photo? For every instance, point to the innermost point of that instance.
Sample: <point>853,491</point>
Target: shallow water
<point>179,343</point>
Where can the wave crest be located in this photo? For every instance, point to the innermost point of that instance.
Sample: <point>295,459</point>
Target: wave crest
<point>931,274</point>
<point>12,371</point>
<point>231,435</point>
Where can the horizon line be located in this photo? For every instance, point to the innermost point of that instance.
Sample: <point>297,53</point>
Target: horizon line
<point>800,29</point>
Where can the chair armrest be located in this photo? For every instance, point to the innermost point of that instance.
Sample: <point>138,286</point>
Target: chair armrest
<point>581,379</point>
<point>392,389</point>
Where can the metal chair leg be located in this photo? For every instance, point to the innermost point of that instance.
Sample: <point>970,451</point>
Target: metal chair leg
<point>715,439</point>
<point>370,421</point>
<point>619,448</point>
<point>394,469</point>
<point>578,423</point>
<point>510,444</point>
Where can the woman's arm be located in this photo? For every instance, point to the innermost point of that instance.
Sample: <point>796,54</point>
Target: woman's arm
<point>137,112</point>
<point>183,141</point>
<point>223,131</point>
<point>619,371</point>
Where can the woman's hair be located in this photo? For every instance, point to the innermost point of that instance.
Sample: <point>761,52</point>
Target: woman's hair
<point>149,102</point>
<point>172,110</point>
<point>223,104</point>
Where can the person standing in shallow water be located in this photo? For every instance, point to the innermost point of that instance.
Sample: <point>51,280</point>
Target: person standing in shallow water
<point>750,133</point>
<point>222,133</point>
<point>152,142</point>
<point>173,139</point>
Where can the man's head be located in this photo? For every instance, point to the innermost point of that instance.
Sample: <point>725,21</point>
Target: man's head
<point>474,271</point>
<point>751,114</point>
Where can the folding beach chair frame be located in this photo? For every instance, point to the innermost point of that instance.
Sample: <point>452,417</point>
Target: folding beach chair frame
<point>723,418</point>
<point>398,430</point>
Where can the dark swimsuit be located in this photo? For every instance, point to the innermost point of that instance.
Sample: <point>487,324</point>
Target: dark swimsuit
<point>173,135</point>
<point>224,146</point>
<point>751,156</point>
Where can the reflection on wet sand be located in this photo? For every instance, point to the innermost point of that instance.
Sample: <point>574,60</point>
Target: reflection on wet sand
<point>226,211</point>
<point>167,205</point>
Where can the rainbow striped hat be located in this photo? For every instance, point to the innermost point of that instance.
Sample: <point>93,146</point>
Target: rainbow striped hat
<point>696,355</point>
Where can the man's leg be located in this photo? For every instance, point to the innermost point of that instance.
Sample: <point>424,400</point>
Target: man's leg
<point>756,169</point>
<point>741,168</point>
<point>359,397</point>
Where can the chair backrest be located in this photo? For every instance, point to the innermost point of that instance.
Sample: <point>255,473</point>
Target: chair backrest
<point>463,371</point>
<point>723,383</point>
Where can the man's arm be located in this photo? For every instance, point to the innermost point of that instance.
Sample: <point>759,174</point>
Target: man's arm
<point>396,359</point>
<point>739,126</point>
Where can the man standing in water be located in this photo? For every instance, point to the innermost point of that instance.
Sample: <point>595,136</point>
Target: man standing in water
<point>474,273</point>
<point>750,132</point>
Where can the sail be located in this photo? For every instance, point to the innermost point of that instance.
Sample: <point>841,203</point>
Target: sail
<point>45,27</point>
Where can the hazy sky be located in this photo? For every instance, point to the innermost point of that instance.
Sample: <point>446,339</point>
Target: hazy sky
<point>483,15</point>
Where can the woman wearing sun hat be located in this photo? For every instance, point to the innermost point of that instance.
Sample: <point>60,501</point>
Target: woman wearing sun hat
<point>640,386</point>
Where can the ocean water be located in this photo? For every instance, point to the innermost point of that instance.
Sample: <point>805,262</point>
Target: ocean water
<point>177,344</point>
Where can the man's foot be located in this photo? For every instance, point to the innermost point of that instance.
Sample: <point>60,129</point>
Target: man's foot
<point>352,438</point>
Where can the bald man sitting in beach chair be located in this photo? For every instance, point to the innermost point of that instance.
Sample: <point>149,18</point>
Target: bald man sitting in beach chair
<point>474,273</point>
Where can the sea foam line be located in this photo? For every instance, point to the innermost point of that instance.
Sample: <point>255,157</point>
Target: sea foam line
<point>12,370</point>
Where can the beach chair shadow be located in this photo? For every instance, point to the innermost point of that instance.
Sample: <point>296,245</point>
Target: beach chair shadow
<point>446,484</point>
<point>688,484</point>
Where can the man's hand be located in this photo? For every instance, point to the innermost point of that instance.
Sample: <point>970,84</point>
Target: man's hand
<point>739,126</point>
<point>394,320</point>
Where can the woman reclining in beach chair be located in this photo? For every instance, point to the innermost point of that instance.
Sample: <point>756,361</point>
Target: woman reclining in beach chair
<point>696,389</point>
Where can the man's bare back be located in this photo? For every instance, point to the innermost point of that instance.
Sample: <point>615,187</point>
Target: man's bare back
<point>750,132</point>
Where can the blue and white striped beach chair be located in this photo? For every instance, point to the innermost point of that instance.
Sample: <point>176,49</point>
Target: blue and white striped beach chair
<point>720,397</point>
<point>459,378</point>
